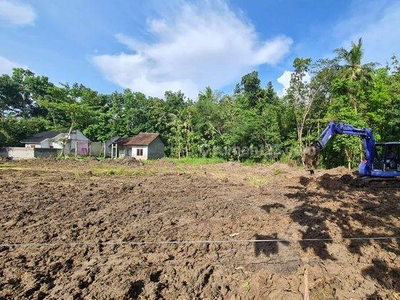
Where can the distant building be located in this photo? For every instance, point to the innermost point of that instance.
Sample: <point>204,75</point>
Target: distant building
<point>75,143</point>
<point>109,146</point>
<point>142,146</point>
<point>46,139</point>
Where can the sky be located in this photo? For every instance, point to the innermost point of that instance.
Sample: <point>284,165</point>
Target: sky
<point>184,45</point>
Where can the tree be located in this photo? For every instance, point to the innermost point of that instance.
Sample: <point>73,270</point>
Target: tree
<point>270,96</point>
<point>207,118</point>
<point>67,108</point>
<point>322,75</point>
<point>157,115</point>
<point>251,89</point>
<point>19,93</point>
<point>301,95</point>
<point>134,111</point>
<point>357,76</point>
<point>14,129</point>
<point>174,101</point>
<point>9,95</point>
<point>389,90</point>
<point>181,132</point>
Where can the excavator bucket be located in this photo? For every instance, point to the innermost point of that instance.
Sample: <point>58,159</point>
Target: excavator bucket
<point>310,157</point>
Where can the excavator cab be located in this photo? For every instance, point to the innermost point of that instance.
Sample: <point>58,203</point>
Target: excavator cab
<point>387,157</point>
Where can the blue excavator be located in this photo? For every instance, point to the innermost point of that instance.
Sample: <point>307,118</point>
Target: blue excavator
<point>381,159</point>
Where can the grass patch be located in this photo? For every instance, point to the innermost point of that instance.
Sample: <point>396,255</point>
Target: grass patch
<point>6,165</point>
<point>257,181</point>
<point>196,160</point>
<point>248,163</point>
<point>116,172</point>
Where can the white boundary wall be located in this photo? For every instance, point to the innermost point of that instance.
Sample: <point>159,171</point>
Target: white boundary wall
<point>27,153</point>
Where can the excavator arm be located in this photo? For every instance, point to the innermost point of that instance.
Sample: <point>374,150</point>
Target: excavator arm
<point>311,153</point>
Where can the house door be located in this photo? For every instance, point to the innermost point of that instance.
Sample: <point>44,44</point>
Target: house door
<point>82,148</point>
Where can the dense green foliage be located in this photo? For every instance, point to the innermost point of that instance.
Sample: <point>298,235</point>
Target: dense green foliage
<point>253,123</point>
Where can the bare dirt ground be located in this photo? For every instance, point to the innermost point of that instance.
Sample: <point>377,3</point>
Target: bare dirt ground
<point>124,230</point>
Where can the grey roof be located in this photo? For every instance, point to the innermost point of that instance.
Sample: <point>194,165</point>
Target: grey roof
<point>40,137</point>
<point>121,141</point>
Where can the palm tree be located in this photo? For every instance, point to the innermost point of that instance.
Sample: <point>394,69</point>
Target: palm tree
<point>359,75</point>
<point>208,112</point>
<point>210,96</point>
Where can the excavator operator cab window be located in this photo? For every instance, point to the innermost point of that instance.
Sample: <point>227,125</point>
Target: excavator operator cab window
<point>387,157</point>
<point>392,157</point>
<point>378,162</point>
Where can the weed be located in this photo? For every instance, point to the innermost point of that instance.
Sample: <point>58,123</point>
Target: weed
<point>247,286</point>
<point>249,163</point>
<point>257,181</point>
<point>196,160</point>
<point>324,293</point>
<point>119,171</point>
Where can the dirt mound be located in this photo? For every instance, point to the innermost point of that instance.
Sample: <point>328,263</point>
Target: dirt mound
<point>126,161</point>
<point>72,229</point>
<point>285,168</point>
<point>130,161</point>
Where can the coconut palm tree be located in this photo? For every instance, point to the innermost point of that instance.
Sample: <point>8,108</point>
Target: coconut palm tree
<point>358,75</point>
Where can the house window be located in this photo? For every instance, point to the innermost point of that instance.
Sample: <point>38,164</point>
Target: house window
<point>139,152</point>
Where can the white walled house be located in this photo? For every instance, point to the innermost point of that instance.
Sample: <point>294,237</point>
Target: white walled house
<point>142,146</point>
<point>46,139</point>
<point>75,143</point>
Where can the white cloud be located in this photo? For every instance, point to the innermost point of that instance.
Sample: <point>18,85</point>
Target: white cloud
<point>195,46</point>
<point>16,13</point>
<point>377,23</point>
<point>284,80</point>
<point>6,66</point>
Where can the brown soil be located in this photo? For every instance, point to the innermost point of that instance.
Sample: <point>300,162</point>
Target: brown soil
<point>127,230</point>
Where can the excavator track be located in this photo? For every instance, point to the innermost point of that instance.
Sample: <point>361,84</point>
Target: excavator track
<point>376,182</point>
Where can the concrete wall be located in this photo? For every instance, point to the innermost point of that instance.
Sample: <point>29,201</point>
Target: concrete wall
<point>45,144</point>
<point>134,152</point>
<point>156,149</point>
<point>74,147</point>
<point>27,153</point>
<point>17,152</point>
<point>42,152</point>
<point>96,149</point>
